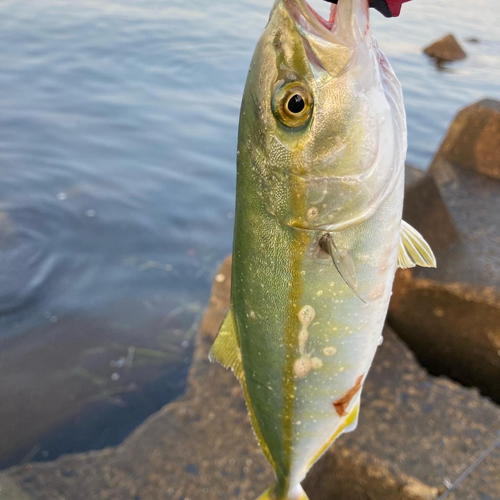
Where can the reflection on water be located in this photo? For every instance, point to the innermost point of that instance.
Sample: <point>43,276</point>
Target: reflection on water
<point>118,125</point>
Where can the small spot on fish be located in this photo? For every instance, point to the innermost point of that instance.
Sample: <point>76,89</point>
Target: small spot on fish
<point>312,213</point>
<point>302,366</point>
<point>316,363</point>
<point>329,351</point>
<point>306,315</point>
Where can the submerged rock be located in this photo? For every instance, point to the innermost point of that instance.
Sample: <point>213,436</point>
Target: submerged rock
<point>416,434</point>
<point>447,49</point>
<point>450,316</point>
<point>77,383</point>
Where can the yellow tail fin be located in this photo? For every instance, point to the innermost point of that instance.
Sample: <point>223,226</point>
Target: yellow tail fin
<point>297,493</point>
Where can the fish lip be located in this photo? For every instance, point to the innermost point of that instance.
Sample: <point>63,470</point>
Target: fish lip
<point>346,25</point>
<point>308,19</point>
<point>327,23</point>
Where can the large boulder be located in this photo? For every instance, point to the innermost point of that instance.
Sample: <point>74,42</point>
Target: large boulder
<point>450,316</point>
<point>472,141</point>
<point>416,435</point>
<point>446,49</point>
<point>425,209</point>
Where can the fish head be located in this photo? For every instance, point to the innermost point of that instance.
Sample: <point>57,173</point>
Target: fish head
<point>322,117</point>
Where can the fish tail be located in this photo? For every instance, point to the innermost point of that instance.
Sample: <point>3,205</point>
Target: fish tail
<point>297,493</point>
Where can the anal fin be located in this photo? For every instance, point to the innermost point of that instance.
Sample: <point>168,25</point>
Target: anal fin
<point>348,424</point>
<point>226,348</point>
<point>413,249</point>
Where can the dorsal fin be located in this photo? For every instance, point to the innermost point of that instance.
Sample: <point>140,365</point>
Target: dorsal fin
<point>226,348</point>
<point>413,249</point>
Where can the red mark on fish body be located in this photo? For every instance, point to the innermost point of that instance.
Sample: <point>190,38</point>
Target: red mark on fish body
<point>342,403</point>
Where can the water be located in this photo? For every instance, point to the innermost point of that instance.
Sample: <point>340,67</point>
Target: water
<point>118,124</point>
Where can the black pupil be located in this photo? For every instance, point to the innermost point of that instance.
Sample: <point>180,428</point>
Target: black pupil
<point>296,104</point>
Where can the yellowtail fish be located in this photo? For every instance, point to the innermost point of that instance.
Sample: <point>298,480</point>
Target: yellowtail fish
<point>318,230</point>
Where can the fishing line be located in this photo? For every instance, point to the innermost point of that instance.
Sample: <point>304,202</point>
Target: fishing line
<point>467,472</point>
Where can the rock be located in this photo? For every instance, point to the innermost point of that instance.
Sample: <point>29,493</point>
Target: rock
<point>415,433</point>
<point>425,209</point>
<point>473,140</point>
<point>452,328</point>
<point>446,49</point>
<point>450,316</point>
<point>10,491</point>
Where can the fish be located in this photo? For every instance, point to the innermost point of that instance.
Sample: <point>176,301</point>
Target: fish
<point>318,231</point>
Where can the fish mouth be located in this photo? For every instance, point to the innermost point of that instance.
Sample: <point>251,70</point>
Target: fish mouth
<point>327,23</point>
<point>347,23</point>
<point>309,20</point>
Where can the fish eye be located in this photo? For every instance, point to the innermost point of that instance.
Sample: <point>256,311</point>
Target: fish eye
<point>296,104</point>
<point>292,104</point>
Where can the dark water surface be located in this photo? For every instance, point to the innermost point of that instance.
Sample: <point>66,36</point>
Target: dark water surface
<point>118,124</point>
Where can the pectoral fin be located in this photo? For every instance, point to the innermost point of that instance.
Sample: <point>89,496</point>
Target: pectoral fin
<point>226,349</point>
<point>413,249</point>
<point>343,262</point>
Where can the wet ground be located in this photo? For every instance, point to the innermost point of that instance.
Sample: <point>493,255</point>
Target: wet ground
<point>118,125</point>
